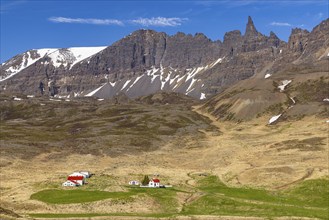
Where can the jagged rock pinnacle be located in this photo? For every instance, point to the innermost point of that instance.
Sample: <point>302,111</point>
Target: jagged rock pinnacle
<point>250,29</point>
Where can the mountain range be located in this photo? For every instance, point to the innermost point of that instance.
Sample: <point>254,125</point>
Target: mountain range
<point>146,62</point>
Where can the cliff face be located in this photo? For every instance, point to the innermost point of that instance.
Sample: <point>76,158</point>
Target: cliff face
<point>147,61</point>
<point>144,49</point>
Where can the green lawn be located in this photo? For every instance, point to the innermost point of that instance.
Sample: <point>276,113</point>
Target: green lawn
<point>308,199</point>
<point>56,196</point>
<point>89,215</point>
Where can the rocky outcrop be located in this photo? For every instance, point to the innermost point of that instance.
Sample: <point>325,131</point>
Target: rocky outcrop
<point>298,41</point>
<point>232,42</point>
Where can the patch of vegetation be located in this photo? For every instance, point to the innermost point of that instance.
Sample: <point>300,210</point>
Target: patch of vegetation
<point>166,198</point>
<point>312,192</point>
<point>219,199</point>
<point>90,127</point>
<point>233,93</point>
<point>308,199</point>
<point>89,215</point>
<point>55,196</point>
<point>312,90</point>
<point>309,144</point>
<point>222,110</point>
<point>275,109</point>
<point>230,116</point>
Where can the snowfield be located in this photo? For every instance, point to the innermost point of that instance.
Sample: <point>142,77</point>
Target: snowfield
<point>274,118</point>
<point>66,57</point>
<point>284,84</point>
<point>27,61</point>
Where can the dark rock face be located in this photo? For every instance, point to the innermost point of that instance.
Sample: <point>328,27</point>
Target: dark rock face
<point>232,42</point>
<point>317,41</point>
<point>253,40</point>
<point>298,40</point>
<point>147,61</point>
<point>144,49</point>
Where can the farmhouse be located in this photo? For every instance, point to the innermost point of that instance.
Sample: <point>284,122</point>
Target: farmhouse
<point>77,178</point>
<point>74,181</point>
<point>154,183</point>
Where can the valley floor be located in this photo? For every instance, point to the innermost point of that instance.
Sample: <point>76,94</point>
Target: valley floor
<point>251,166</point>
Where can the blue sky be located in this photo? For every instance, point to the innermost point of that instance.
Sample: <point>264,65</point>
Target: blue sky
<point>31,24</point>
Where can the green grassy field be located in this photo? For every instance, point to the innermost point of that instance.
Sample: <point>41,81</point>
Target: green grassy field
<point>308,199</point>
<point>55,196</point>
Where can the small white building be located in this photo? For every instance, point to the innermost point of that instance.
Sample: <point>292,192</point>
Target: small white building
<point>70,183</point>
<point>134,183</point>
<point>154,183</point>
<point>77,180</point>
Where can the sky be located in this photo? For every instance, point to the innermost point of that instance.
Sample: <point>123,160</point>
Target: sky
<point>32,24</point>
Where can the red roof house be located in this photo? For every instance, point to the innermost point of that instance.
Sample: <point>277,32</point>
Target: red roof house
<point>77,179</point>
<point>154,183</point>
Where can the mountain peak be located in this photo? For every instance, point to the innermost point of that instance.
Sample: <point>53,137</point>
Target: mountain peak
<point>273,35</point>
<point>250,29</point>
<point>250,20</point>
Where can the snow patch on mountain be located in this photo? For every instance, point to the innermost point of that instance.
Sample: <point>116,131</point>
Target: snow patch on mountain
<point>59,57</point>
<point>283,85</point>
<point>71,56</point>
<point>267,75</point>
<point>94,91</point>
<point>28,58</point>
<point>219,60</point>
<point>274,118</point>
<point>153,80</point>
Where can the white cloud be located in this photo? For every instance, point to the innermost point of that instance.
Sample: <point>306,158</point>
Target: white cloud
<point>159,21</point>
<point>280,24</point>
<point>86,21</point>
<point>242,3</point>
<point>319,16</point>
<point>9,5</point>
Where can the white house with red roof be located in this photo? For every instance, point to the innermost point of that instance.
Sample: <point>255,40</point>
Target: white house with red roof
<point>154,183</point>
<point>75,179</point>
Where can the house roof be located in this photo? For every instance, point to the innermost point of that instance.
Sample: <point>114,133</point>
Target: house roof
<point>78,174</point>
<point>75,178</point>
<point>156,180</point>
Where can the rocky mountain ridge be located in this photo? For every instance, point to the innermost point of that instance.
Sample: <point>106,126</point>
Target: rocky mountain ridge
<point>147,61</point>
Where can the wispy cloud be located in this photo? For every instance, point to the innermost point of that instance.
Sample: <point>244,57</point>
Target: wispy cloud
<point>159,21</point>
<point>319,16</point>
<point>86,21</point>
<point>241,3</point>
<point>286,24</point>
<point>6,6</point>
<point>274,23</point>
<point>155,21</point>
